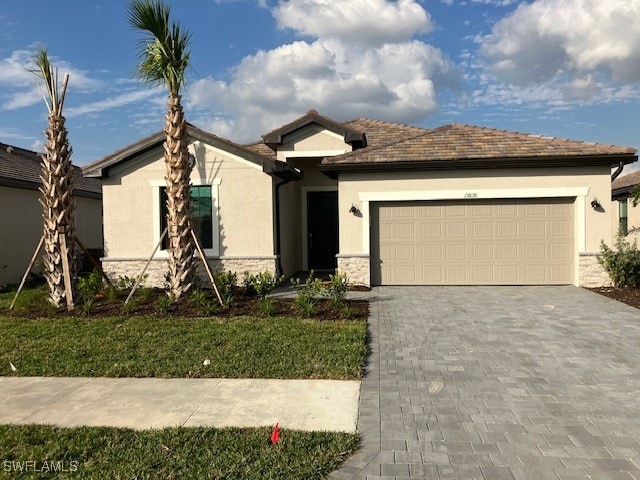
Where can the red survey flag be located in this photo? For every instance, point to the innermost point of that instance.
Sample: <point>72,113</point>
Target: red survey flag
<point>275,435</point>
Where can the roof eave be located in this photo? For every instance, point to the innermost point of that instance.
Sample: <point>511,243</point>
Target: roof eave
<point>333,169</point>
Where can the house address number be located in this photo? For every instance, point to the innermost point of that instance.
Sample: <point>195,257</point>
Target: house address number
<point>471,195</point>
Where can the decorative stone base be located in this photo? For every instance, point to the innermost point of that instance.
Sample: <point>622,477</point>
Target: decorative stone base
<point>357,266</point>
<point>591,272</point>
<point>158,268</point>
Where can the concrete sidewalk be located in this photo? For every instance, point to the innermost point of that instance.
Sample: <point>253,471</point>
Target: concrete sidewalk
<point>156,403</point>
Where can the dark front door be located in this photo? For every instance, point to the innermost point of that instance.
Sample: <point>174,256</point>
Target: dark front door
<point>322,230</point>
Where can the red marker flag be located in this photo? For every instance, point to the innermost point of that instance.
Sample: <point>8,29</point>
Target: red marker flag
<point>275,435</point>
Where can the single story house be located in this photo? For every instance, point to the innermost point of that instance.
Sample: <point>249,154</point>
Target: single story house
<point>624,214</point>
<point>387,204</point>
<point>21,212</point>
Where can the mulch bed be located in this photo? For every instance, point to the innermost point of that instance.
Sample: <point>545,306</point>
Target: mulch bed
<point>630,296</point>
<point>152,303</point>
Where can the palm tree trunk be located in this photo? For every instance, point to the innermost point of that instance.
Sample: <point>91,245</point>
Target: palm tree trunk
<point>176,155</point>
<point>58,209</point>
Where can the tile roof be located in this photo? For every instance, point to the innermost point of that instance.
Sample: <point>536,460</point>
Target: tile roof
<point>21,167</point>
<point>261,148</point>
<point>379,133</point>
<point>625,181</point>
<point>466,142</point>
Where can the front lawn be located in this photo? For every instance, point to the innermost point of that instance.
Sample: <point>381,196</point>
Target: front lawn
<point>241,347</point>
<point>171,453</point>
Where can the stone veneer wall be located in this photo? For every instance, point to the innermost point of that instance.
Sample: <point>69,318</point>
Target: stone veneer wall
<point>591,272</point>
<point>158,268</point>
<point>356,266</point>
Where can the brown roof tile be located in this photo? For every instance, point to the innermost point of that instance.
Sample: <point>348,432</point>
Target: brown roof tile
<point>466,142</point>
<point>19,166</point>
<point>379,133</point>
<point>625,181</point>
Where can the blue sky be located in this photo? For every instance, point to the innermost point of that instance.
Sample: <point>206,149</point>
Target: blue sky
<point>564,68</point>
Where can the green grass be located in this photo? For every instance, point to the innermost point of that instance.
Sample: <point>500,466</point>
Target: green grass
<point>173,453</point>
<point>242,347</point>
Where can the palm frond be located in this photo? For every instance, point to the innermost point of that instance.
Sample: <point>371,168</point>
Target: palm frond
<point>53,94</point>
<point>163,51</point>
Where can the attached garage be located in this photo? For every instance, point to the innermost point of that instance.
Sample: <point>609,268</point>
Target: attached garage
<point>473,242</point>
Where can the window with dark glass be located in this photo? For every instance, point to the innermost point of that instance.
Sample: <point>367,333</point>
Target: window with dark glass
<point>622,211</point>
<point>201,215</point>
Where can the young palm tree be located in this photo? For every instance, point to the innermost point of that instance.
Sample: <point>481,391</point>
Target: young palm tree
<point>163,60</point>
<point>57,188</point>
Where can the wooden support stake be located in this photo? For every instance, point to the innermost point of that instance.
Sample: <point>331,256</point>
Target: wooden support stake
<point>26,273</point>
<point>139,279</point>
<point>206,267</point>
<point>93,261</point>
<point>68,289</point>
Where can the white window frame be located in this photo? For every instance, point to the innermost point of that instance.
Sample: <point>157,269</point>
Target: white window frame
<point>156,185</point>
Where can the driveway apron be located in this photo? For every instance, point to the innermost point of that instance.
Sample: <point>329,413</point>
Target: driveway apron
<point>499,383</point>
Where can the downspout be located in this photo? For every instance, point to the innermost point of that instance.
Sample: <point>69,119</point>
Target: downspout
<point>278,244</point>
<point>618,171</point>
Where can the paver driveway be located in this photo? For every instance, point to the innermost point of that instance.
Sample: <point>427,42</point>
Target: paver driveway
<point>499,383</point>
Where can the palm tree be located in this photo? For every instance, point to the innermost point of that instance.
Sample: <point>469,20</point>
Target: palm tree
<point>57,189</point>
<point>163,60</point>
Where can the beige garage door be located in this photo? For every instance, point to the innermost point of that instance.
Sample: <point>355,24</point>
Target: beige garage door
<point>496,242</point>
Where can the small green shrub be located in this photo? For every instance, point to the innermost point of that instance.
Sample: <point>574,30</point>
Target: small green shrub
<point>347,311</point>
<point>144,293</point>
<point>165,303</point>
<point>267,306</point>
<point>111,293</point>
<point>87,306</point>
<point>337,289</point>
<point>249,283</point>
<point>622,263</point>
<point>90,285</point>
<point>209,308</point>
<point>305,305</point>
<point>265,283</point>
<point>226,281</point>
<point>130,307</point>
<point>127,283</point>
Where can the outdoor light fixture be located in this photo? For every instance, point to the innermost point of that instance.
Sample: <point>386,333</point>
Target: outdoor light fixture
<point>595,204</point>
<point>354,209</point>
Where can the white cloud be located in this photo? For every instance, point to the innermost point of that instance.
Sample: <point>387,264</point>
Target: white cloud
<point>358,21</point>
<point>18,82</point>
<point>111,102</point>
<point>396,82</point>
<point>545,39</point>
<point>384,75</point>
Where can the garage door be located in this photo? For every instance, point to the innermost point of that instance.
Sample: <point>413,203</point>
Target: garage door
<point>496,242</point>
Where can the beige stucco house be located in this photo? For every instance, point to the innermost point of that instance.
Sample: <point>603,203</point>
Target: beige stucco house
<point>21,212</point>
<point>624,214</point>
<point>385,203</point>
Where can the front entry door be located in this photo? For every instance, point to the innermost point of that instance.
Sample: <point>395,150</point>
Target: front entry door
<point>322,230</point>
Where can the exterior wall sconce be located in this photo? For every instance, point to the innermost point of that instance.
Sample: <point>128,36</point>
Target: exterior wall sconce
<point>354,209</point>
<point>595,204</point>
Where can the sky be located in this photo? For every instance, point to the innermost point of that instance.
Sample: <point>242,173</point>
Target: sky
<point>562,68</point>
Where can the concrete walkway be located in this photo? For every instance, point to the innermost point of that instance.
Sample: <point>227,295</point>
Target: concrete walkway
<point>499,383</point>
<point>156,403</point>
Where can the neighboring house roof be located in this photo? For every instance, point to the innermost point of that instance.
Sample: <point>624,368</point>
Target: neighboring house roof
<point>466,146</point>
<point>102,167</point>
<point>355,138</point>
<point>21,168</point>
<point>621,186</point>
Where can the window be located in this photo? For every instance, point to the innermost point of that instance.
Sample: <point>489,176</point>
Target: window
<point>622,214</point>
<point>201,215</point>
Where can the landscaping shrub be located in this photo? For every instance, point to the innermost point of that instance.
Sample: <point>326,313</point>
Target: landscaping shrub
<point>622,263</point>
<point>90,285</point>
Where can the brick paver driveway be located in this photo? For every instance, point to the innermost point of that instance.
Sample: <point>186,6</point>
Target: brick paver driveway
<point>499,383</point>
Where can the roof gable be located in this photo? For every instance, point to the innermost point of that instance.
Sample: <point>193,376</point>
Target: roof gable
<point>351,136</point>
<point>21,168</point>
<point>456,146</point>
<point>102,167</point>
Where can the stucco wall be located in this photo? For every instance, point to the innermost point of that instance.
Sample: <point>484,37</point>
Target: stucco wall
<point>313,140</point>
<point>131,205</point>
<point>21,228</point>
<point>596,181</point>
